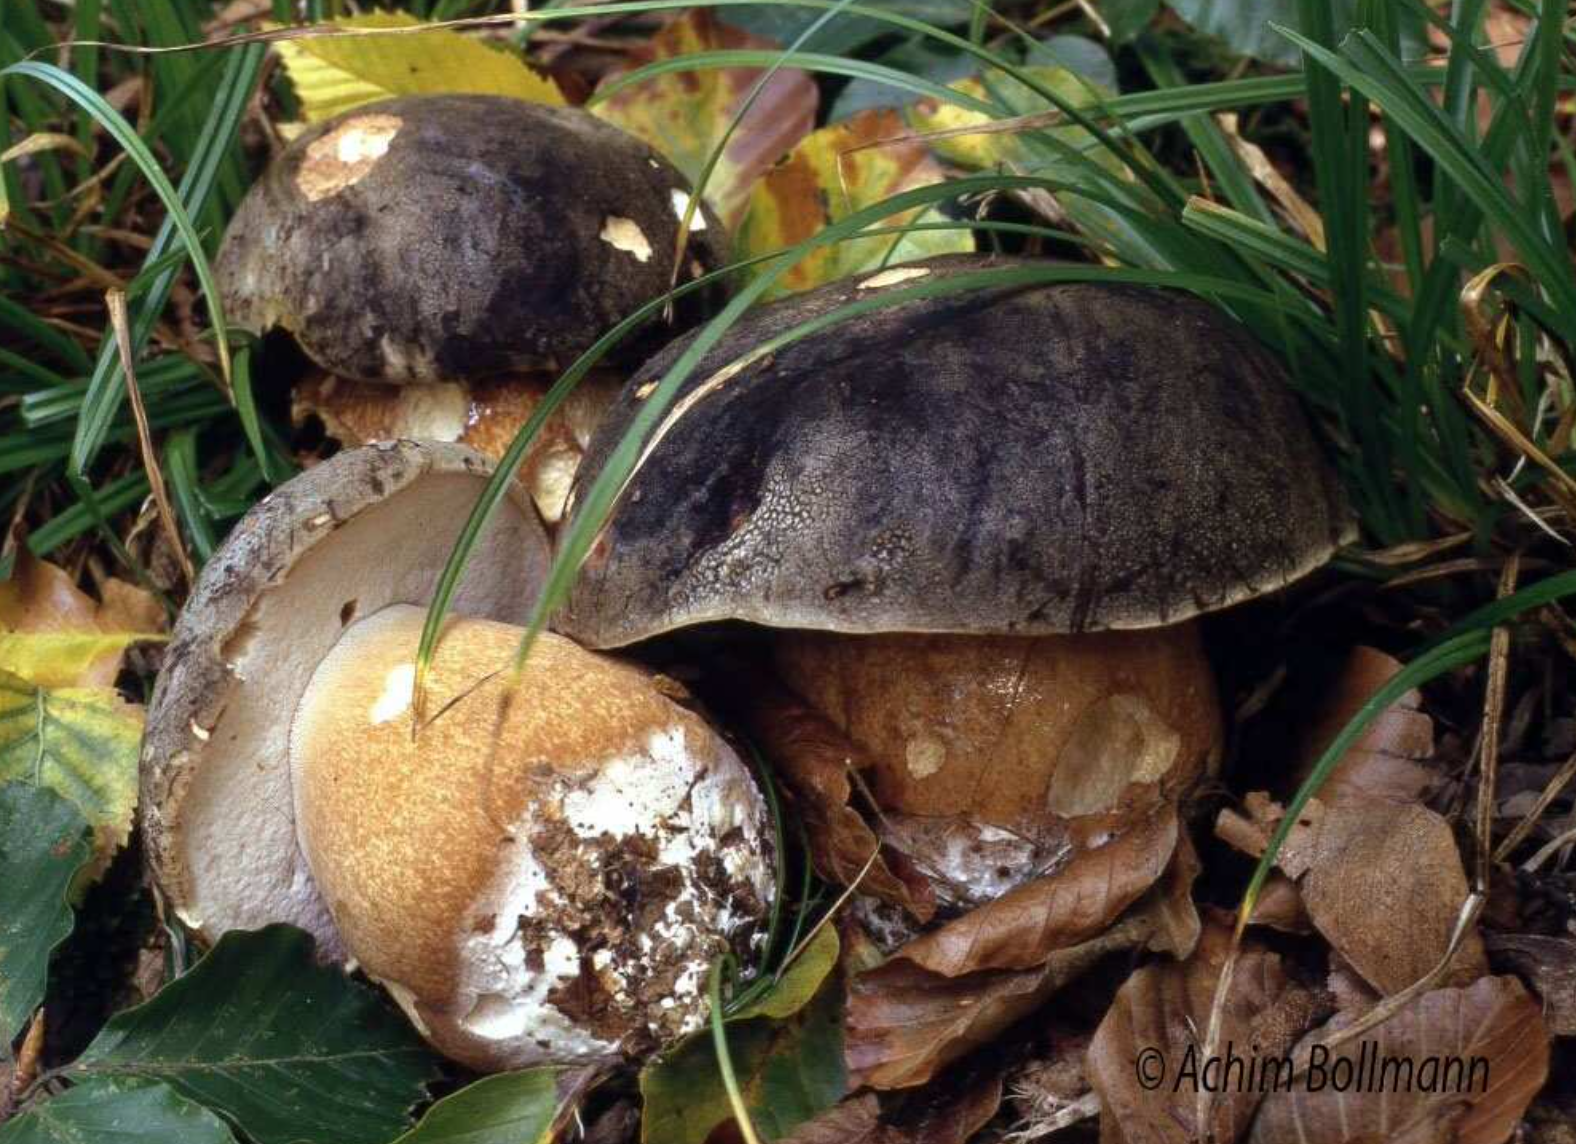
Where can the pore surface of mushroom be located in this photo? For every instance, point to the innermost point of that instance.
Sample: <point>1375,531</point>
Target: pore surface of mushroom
<point>543,880</point>
<point>988,520</point>
<point>452,242</point>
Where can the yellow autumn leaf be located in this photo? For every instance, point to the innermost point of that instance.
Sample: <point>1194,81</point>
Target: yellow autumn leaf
<point>64,659</point>
<point>982,151</point>
<point>831,174</point>
<point>333,74</point>
<point>82,743</point>
<point>54,634</point>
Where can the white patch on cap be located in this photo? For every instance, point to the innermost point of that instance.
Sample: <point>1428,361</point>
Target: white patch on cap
<point>399,689</point>
<point>624,234</point>
<point>893,277</point>
<point>924,756</point>
<point>344,156</point>
<point>681,202</point>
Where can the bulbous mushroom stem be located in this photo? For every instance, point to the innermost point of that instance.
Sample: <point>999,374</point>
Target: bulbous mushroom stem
<point>993,758</point>
<point>540,880</point>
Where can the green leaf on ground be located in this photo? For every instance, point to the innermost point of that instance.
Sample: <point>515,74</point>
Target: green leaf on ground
<point>1245,24</point>
<point>982,151</point>
<point>119,1109</point>
<point>43,843</point>
<point>511,1108</point>
<point>81,742</point>
<point>788,1069</point>
<point>332,74</point>
<point>287,1049</point>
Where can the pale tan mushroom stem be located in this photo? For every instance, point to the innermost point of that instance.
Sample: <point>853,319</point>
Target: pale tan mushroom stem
<point>545,880</point>
<point>1039,744</point>
<point>484,414</point>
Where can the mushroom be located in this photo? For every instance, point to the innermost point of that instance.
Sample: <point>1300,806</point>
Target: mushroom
<point>983,526</point>
<point>545,879</point>
<point>439,258</point>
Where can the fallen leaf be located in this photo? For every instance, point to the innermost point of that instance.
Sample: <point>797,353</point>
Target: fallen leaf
<point>814,759</point>
<point>332,74</point>
<point>1016,98</point>
<point>128,1110</point>
<point>905,1022</point>
<point>1157,1017</point>
<point>1475,1057</point>
<point>82,743</point>
<point>685,114</point>
<point>1024,926</point>
<point>802,979</point>
<point>856,1120</point>
<point>1549,963</point>
<point>1383,762</point>
<point>824,179</point>
<point>788,1071</point>
<point>509,1108</point>
<point>43,845</point>
<point>54,634</point>
<point>1385,889</point>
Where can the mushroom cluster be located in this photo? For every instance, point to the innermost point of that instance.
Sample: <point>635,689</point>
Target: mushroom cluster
<point>439,258</point>
<point>959,545</point>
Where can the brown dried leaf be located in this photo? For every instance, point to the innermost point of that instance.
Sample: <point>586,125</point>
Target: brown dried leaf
<point>905,1022</point>
<point>1383,763</point>
<point>856,1120</point>
<point>814,759</point>
<point>1020,929</point>
<point>1162,1009</point>
<point>685,114</point>
<point>1280,906</point>
<point>1385,889</point>
<point>1549,963</point>
<point>1495,1021</point>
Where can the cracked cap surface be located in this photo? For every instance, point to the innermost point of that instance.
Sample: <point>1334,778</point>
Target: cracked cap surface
<point>1055,458</point>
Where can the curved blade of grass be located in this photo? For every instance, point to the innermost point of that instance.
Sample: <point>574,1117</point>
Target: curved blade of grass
<point>1367,67</point>
<point>719,1039</point>
<point>123,133</point>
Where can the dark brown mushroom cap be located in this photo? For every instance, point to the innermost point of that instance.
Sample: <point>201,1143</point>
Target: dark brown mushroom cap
<point>365,529</point>
<point>434,238</point>
<point>1059,458</point>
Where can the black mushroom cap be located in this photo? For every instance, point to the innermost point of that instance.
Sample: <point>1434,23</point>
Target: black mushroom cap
<point>438,238</point>
<point>1056,458</point>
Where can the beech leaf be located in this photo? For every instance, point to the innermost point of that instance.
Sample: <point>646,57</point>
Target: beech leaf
<point>685,114</point>
<point>826,178</point>
<point>332,74</point>
<point>126,1110</point>
<point>1157,1016</point>
<point>287,1049</point>
<point>1494,1022</point>
<point>43,844</point>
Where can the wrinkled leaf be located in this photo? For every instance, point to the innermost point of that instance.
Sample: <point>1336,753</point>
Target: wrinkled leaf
<point>1157,1017</point>
<point>1495,1020</point>
<point>824,179</point>
<point>788,1071</point>
<point>980,151</point>
<point>905,1022</point>
<point>1385,889</point>
<point>1549,964</point>
<point>81,742</point>
<point>1383,762</point>
<point>332,74</point>
<point>510,1108</point>
<point>120,1109</point>
<point>43,843</point>
<point>684,115</point>
<point>1024,926</point>
<point>287,1049</point>
<point>814,760</point>
<point>55,635</point>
